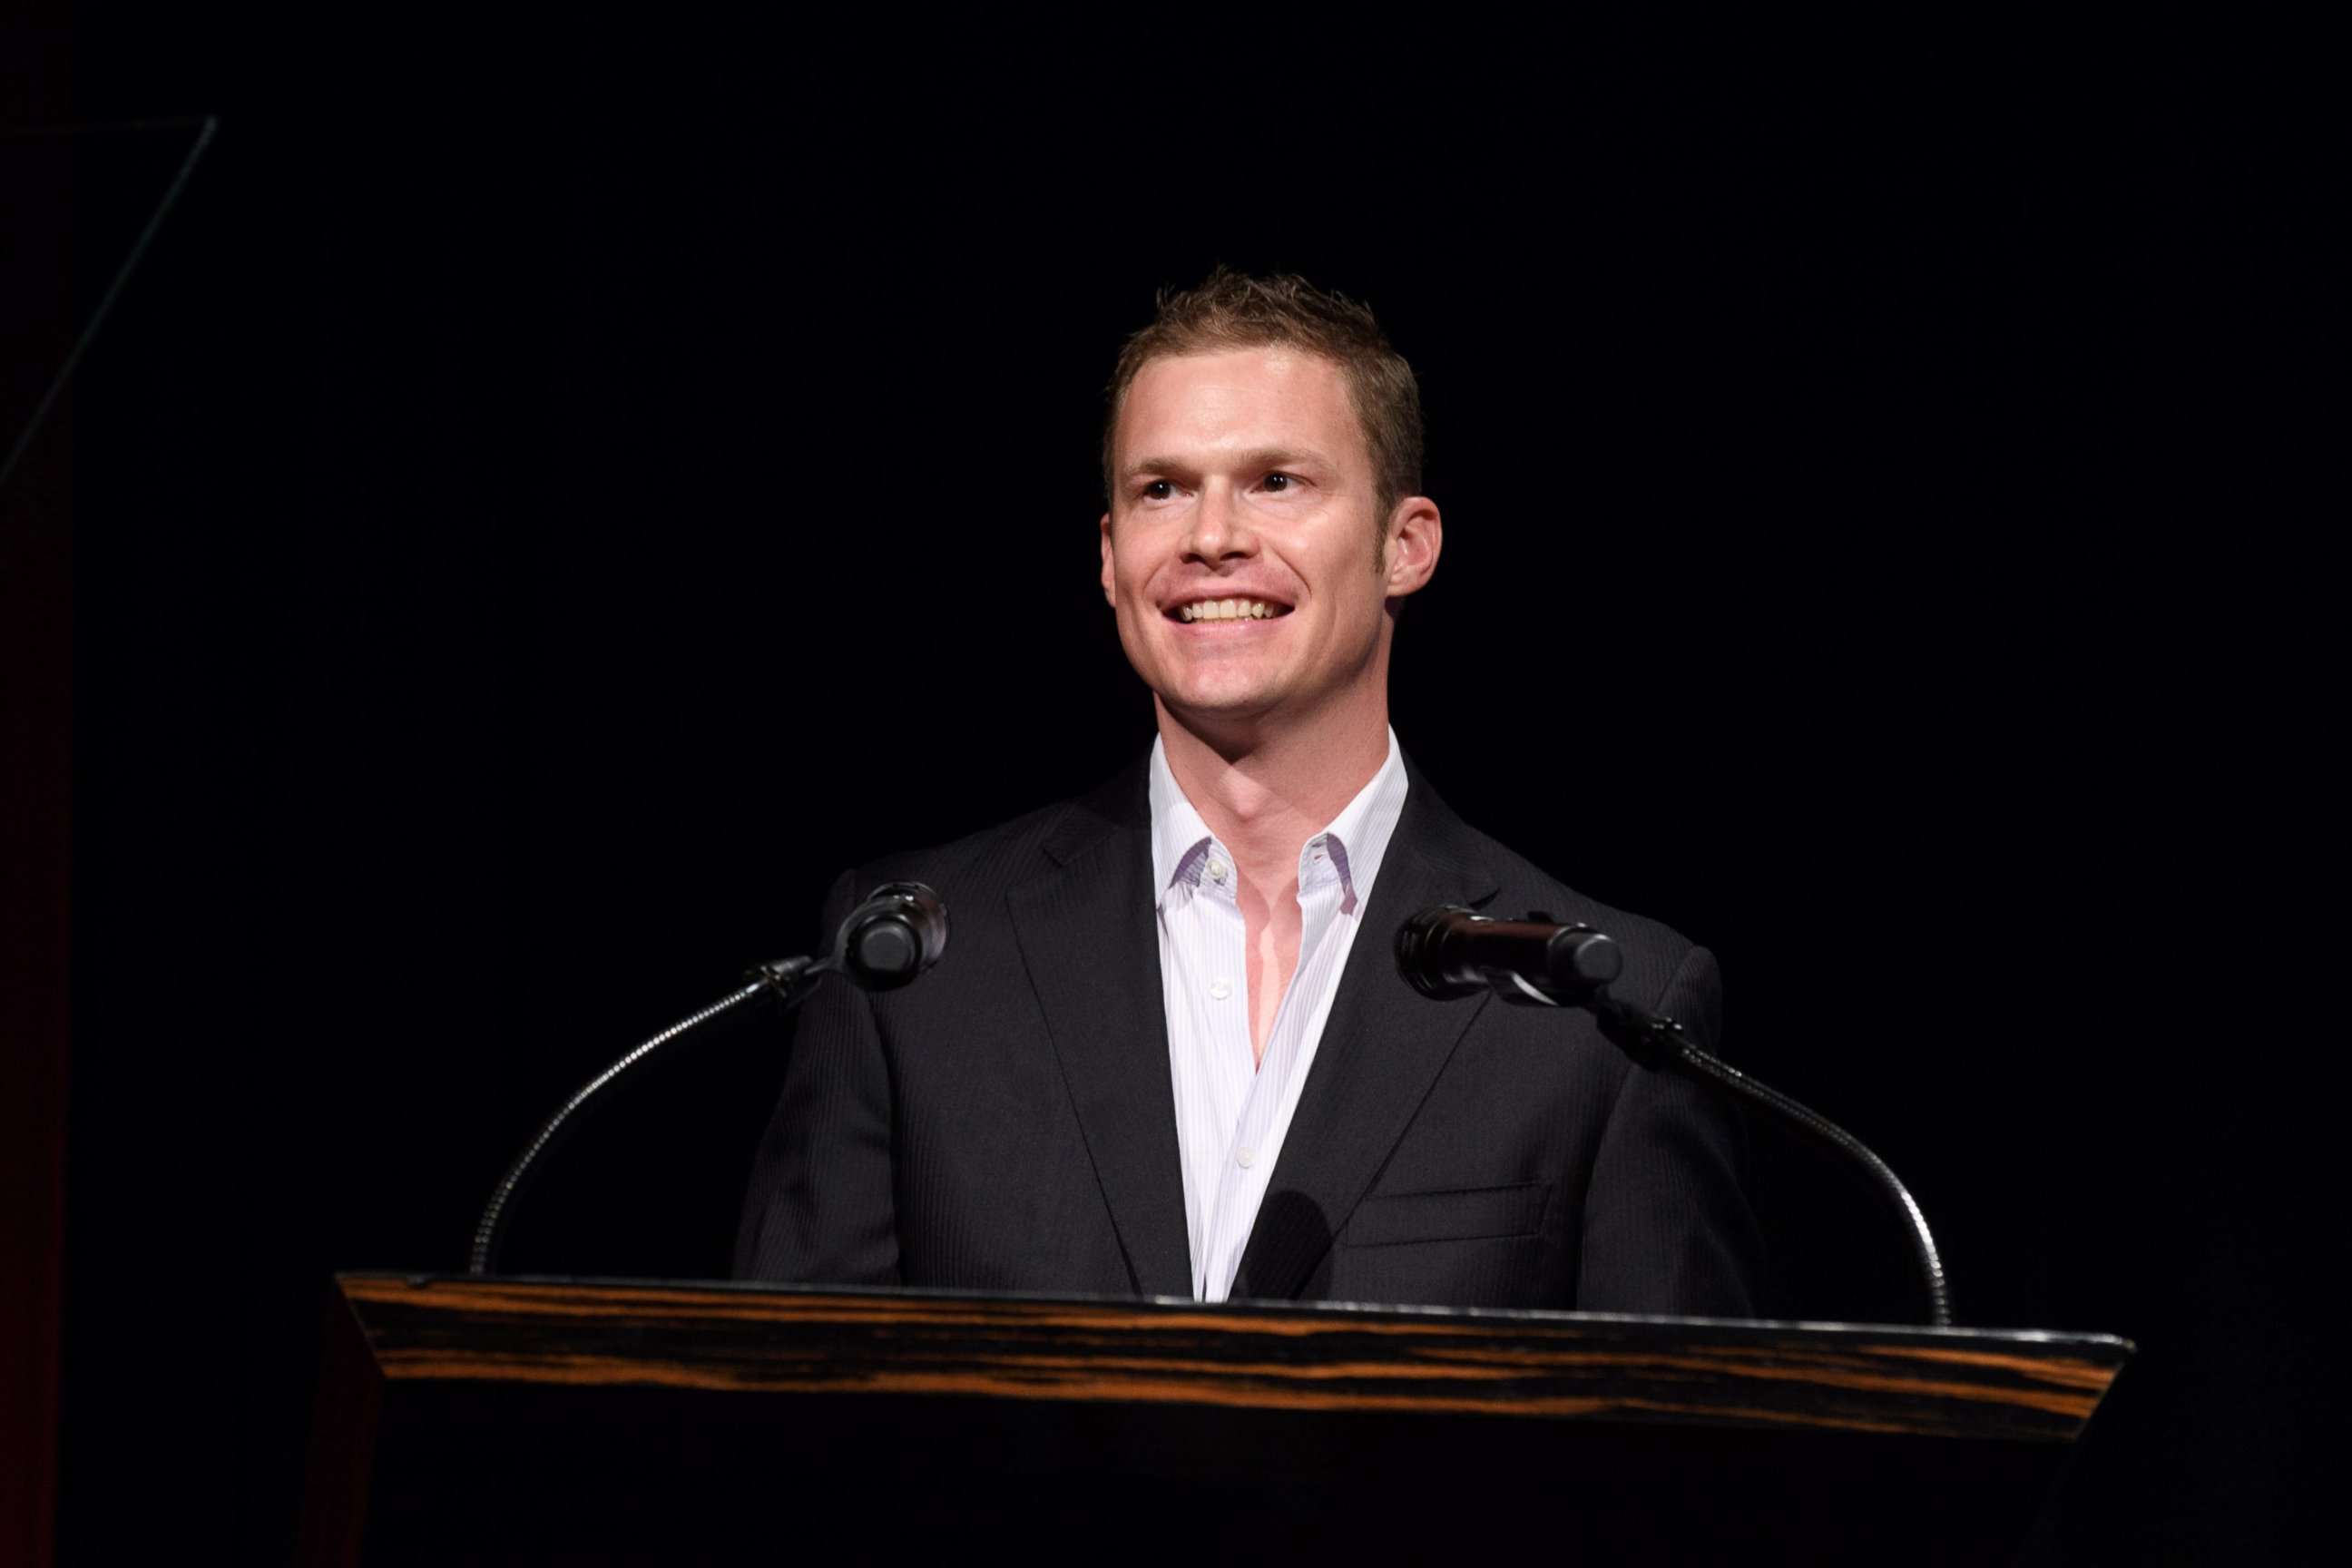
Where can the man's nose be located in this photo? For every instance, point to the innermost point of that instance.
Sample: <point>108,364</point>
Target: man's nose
<point>1221,529</point>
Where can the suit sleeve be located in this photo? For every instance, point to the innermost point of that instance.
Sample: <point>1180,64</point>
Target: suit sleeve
<point>1667,1228</point>
<point>822,1208</point>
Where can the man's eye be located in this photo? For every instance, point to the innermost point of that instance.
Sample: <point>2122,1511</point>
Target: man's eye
<point>1277,482</point>
<point>1158,489</point>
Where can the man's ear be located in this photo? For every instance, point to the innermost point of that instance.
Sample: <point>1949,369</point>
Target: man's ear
<point>1416,536</point>
<point>1108,594</point>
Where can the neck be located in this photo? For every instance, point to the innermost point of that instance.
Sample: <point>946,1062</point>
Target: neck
<point>1264,791</point>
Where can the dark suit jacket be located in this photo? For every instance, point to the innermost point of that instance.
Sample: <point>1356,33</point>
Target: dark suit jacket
<point>1006,1123</point>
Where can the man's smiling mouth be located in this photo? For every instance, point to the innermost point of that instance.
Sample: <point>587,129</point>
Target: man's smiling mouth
<point>1233,610</point>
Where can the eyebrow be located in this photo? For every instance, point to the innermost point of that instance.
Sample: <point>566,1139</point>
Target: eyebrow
<point>1262,458</point>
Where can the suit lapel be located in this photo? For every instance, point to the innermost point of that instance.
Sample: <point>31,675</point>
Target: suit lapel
<point>1089,938</point>
<point>1382,1047</point>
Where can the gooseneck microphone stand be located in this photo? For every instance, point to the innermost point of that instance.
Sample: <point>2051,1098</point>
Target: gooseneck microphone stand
<point>888,940</point>
<point>1653,1040</point>
<point>1451,952</point>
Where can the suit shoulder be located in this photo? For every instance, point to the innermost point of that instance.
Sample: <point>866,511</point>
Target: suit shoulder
<point>992,854</point>
<point>1522,886</point>
<point>1664,969</point>
<point>1013,851</point>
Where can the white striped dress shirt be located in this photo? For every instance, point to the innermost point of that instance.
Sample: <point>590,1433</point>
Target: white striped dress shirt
<point>1231,1113</point>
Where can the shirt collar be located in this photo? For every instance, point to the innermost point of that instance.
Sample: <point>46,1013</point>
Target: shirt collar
<point>1360,833</point>
<point>1178,838</point>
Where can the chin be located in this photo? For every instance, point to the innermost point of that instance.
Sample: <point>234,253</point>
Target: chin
<point>1185,685</point>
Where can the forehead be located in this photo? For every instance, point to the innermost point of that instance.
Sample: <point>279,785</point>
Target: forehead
<point>1239,399</point>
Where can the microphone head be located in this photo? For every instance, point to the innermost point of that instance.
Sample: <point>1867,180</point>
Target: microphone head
<point>1450,952</point>
<point>1422,951</point>
<point>896,933</point>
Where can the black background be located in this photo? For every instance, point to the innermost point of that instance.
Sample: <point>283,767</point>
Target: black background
<point>532,539</point>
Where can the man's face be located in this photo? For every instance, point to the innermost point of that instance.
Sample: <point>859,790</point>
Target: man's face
<point>1243,550</point>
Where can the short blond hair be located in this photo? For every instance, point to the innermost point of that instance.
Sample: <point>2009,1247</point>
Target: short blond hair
<point>1233,311</point>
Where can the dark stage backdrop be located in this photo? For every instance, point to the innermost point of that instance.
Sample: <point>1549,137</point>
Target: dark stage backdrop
<point>525,556</point>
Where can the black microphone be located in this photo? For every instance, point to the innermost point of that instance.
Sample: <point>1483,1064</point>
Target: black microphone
<point>896,933</point>
<point>1450,952</point>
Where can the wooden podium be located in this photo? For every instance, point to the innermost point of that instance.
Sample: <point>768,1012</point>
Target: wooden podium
<point>464,1420</point>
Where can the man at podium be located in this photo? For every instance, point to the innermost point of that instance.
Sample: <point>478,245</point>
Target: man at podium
<point>1168,1051</point>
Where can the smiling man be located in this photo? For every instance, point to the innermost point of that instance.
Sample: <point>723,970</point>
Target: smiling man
<point>1168,1051</point>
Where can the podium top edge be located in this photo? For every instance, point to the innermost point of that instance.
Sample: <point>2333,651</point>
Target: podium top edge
<point>2103,1347</point>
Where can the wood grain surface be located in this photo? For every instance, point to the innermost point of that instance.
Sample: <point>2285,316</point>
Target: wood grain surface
<point>2029,1385</point>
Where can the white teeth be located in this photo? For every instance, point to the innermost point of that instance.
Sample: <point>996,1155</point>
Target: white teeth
<point>1226,610</point>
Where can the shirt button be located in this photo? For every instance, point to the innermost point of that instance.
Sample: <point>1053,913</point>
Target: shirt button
<point>1217,869</point>
<point>1245,1156</point>
<point>1221,989</point>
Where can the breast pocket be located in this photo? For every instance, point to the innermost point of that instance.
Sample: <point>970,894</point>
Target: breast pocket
<point>1472,1215</point>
